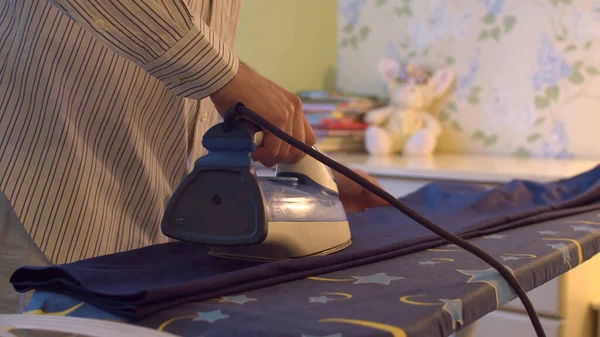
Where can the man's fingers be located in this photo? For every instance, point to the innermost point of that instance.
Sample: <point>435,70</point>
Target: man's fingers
<point>267,153</point>
<point>309,134</point>
<point>299,132</point>
<point>277,105</point>
<point>292,121</point>
<point>283,156</point>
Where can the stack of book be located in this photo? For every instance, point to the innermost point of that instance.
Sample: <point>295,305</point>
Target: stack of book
<point>337,119</point>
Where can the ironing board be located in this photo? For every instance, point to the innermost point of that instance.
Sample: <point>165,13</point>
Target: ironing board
<point>428,293</point>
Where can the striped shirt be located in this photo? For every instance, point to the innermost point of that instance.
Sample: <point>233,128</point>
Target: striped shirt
<point>102,106</point>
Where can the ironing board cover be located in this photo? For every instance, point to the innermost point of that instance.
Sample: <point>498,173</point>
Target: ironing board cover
<point>134,284</point>
<point>430,293</point>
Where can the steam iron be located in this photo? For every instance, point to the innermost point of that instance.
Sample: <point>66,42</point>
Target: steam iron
<point>225,206</point>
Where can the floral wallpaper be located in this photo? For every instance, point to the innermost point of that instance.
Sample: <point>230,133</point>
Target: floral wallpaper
<point>527,70</point>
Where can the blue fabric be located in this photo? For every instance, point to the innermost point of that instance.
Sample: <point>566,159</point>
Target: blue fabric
<point>141,282</point>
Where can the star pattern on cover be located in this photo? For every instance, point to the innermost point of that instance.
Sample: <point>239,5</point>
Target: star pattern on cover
<point>428,263</point>
<point>504,292</point>
<point>211,316</point>
<point>512,258</point>
<point>548,232</point>
<point>381,278</point>
<point>561,247</point>
<point>454,308</point>
<point>585,228</point>
<point>320,299</point>
<point>494,237</point>
<point>240,299</point>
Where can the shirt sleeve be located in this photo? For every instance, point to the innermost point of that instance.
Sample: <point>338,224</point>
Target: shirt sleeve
<point>161,36</point>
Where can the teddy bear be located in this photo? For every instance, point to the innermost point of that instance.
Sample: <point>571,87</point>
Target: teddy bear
<point>407,124</point>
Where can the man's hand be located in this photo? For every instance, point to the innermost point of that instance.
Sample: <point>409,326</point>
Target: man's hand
<point>273,103</point>
<point>354,197</point>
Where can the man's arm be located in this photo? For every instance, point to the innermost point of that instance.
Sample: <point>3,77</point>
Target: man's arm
<point>162,37</point>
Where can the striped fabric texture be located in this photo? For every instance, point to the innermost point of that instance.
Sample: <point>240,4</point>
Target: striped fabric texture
<point>102,109</point>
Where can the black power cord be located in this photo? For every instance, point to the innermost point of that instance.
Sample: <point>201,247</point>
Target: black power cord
<point>240,110</point>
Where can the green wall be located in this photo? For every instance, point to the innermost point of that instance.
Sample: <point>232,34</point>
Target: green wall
<point>291,42</point>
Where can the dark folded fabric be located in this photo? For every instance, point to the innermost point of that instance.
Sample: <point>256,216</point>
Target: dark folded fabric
<point>137,283</point>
